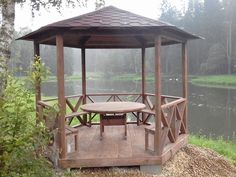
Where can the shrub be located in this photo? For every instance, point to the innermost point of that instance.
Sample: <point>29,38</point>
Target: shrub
<point>22,141</point>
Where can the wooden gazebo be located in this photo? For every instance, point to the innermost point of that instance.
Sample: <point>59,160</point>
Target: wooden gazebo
<point>111,27</point>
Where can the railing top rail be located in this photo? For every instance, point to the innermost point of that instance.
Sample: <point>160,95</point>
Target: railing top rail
<point>173,103</point>
<point>165,96</point>
<point>73,96</point>
<point>44,103</point>
<point>177,98</point>
<point>111,94</point>
<point>149,94</point>
<point>50,99</point>
<point>55,98</point>
<point>171,97</point>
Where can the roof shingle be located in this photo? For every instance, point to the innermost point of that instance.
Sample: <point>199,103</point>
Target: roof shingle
<point>109,27</point>
<point>108,16</point>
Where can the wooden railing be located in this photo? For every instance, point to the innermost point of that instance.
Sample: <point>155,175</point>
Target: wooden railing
<point>173,110</point>
<point>106,97</point>
<point>73,103</point>
<point>173,118</point>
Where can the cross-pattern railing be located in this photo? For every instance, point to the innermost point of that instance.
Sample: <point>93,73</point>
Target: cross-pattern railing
<point>107,97</point>
<point>73,104</point>
<point>173,110</point>
<point>173,118</point>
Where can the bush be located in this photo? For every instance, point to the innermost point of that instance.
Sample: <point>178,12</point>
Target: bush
<point>22,140</point>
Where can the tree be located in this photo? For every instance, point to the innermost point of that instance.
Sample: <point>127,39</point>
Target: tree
<point>21,53</point>
<point>7,9</point>
<point>169,13</point>
<point>216,62</point>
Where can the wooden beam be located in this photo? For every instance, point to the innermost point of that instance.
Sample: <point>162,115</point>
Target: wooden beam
<point>185,80</point>
<point>45,37</point>
<point>61,96</point>
<point>172,36</point>
<point>83,40</point>
<point>83,66</point>
<point>141,40</point>
<point>36,48</point>
<point>172,148</point>
<point>157,136</point>
<point>109,32</point>
<point>143,74</point>
<point>37,86</point>
<point>42,40</point>
<point>101,46</point>
<point>108,162</point>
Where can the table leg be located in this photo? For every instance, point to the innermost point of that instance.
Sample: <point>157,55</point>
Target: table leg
<point>125,126</point>
<point>138,114</point>
<point>90,119</point>
<point>101,126</point>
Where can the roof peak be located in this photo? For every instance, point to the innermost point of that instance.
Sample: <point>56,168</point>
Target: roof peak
<point>112,18</point>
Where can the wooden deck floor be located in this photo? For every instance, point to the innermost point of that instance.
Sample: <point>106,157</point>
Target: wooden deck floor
<point>112,150</point>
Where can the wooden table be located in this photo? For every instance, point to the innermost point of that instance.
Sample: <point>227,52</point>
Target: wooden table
<point>112,113</point>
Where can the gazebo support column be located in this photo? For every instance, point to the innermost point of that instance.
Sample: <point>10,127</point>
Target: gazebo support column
<point>61,96</point>
<point>83,66</point>
<point>37,86</point>
<point>157,135</point>
<point>143,78</point>
<point>143,74</point>
<point>185,80</point>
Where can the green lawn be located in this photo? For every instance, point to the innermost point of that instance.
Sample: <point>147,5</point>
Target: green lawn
<point>132,77</point>
<point>223,147</point>
<point>217,80</point>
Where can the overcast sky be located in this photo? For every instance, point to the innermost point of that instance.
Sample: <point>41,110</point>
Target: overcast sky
<point>148,8</point>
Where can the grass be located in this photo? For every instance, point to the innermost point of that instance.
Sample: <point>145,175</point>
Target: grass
<point>100,76</point>
<point>216,81</point>
<point>132,77</point>
<point>89,76</point>
<point>223,147</point>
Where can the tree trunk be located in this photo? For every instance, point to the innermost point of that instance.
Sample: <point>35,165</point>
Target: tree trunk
<point>6,37</point>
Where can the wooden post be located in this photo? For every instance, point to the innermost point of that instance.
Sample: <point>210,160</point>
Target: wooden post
<point>185,80</point>
<point>37,86</point>
<point>143,80</point>
<point>61,96</point>
<point>83,65</point>
<point>143,74</point>
<point>157,135</point>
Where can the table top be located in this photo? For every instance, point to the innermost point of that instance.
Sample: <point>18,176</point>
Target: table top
<point>112,107</point>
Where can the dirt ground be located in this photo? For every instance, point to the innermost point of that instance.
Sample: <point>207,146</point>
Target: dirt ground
<point>190,161</point>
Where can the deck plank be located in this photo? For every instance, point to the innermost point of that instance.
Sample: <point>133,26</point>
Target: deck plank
<point>114,150</point>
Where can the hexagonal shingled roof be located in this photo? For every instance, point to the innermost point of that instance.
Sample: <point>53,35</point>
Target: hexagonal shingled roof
<point>109,27</point>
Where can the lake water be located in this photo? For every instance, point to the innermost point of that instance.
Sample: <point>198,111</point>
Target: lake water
<point>212,111</point>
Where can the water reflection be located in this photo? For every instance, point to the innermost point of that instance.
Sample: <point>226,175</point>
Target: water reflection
<point>212,111</point>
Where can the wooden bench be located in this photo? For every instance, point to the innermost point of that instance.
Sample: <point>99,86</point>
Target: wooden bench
<point>113,119</point>
<point>73,131</point>
<point>149,130</point>
<point>78,116</point>
<point>144,111</point>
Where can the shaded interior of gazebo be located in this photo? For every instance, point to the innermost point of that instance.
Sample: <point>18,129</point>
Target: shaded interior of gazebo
<point>110,28</point>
